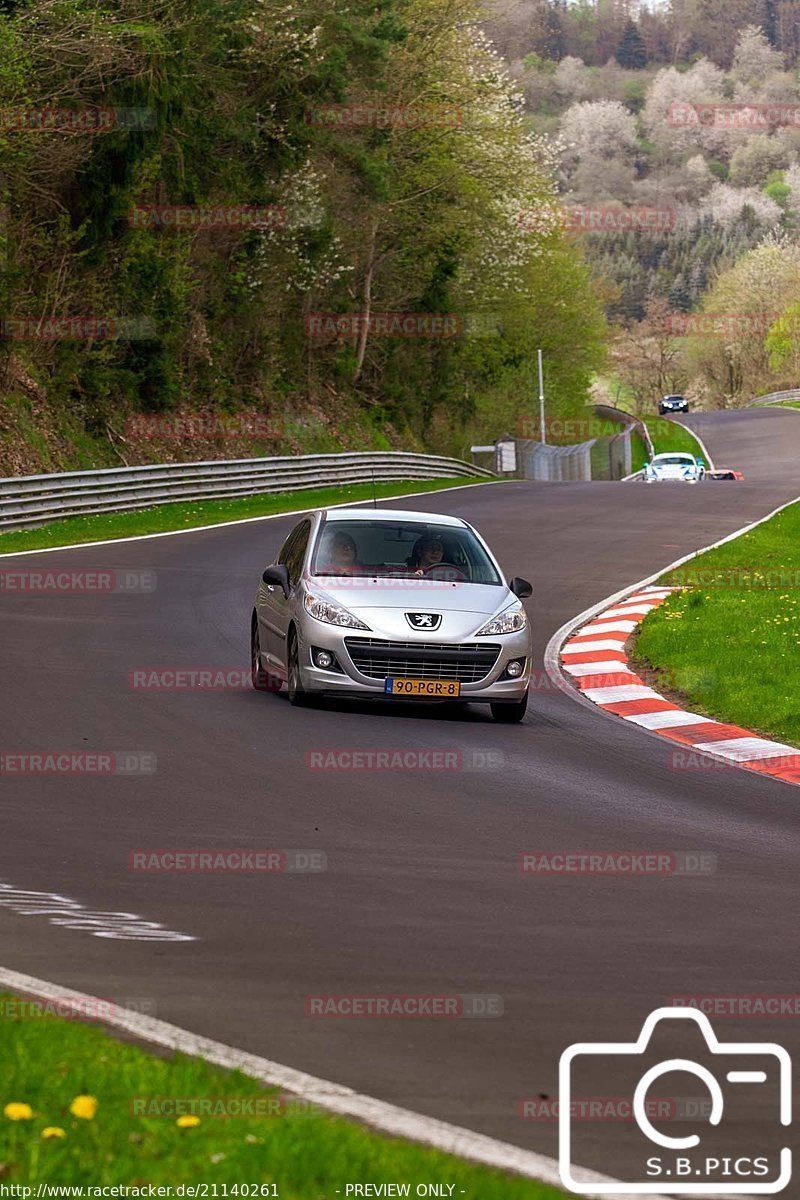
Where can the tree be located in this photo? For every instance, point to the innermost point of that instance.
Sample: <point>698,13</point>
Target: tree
<point>754,58</point>
<point>631,51</point>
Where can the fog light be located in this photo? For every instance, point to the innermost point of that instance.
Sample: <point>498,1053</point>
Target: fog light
<point>324,659</point>
<point>515,668</point>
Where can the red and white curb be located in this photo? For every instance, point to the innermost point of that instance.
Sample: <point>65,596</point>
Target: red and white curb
<point>594,657</point>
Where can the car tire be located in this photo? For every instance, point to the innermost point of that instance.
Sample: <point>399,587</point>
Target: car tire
<point>297,694</point>
<point>510,713</point>
<point>258,675</point>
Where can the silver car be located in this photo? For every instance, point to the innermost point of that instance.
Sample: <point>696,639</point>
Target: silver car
<point>379,604</point>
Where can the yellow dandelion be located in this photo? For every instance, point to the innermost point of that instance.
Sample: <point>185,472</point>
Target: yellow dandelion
<point>18,1112</point>
<point>84,1107</point>
<point>53,1131</point>
<point>188,1122</point>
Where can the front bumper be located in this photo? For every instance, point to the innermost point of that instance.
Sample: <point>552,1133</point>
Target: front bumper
<point>350,681</point>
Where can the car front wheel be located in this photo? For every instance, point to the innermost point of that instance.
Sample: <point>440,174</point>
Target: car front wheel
<point>510,713</point>
<point>297,694</point>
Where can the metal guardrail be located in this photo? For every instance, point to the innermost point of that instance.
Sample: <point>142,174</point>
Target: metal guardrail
<point>29,500</point>
<point>775,397</point>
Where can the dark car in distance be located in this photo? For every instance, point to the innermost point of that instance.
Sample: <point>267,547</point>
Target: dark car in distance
<point>671,404</point>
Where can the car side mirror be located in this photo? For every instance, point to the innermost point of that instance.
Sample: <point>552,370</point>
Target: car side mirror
<point>277,576</point>
<point>521,588</point>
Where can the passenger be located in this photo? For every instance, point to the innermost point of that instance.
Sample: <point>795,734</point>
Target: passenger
<point>340,556</point>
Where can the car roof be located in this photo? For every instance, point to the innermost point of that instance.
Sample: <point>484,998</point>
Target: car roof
<point>390,516</point>
<point>675,454</point>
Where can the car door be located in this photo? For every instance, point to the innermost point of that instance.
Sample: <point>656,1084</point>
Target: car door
<point>275,609</point>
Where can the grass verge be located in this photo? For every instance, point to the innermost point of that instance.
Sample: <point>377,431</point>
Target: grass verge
<point>47,1063</point>
<point>670,438</point>
<point>186,515</point>
<point>730,640</point>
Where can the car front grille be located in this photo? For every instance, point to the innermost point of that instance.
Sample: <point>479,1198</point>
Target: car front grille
<point>379,659</point>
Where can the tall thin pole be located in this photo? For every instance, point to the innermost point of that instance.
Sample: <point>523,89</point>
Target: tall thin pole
<point>541,400</point>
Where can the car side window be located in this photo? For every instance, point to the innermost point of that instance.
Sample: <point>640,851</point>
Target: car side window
<point>295,551</point>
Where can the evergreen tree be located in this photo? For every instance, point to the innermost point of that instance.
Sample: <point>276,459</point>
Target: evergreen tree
<point>631,51</point>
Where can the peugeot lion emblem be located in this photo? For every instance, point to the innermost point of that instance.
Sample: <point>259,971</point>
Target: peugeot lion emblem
<point>424,620</point>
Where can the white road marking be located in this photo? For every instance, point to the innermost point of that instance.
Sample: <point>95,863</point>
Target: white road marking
<point>69,914</point>
<point>333,1097</point>
<point>552,654</point>
<point>742,749</point>
<point>614,666</point>
<point>615,695</point>
<point>666,720</point>
<point>602,644</point>
<point>610,627</point>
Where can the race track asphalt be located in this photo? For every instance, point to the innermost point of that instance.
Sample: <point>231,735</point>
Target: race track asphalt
<point>422,894</point>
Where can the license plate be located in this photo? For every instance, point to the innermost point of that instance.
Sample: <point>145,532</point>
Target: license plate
<point>447,688</point>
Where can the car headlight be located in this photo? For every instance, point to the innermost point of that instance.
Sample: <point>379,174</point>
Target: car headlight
<point>510,621</point>
<point>332,614</point>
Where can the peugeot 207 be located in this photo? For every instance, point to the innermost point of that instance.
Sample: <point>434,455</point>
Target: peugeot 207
<point>395,606</point>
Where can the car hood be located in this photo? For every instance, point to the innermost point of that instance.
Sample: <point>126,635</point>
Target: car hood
<point>671,472</point>
<point>383,604</point>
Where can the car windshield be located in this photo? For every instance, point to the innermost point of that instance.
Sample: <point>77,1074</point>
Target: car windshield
<point>674,460</point>
<point>411,549</point>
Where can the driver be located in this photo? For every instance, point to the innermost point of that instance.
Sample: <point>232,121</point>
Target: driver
<point>427,553</point>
